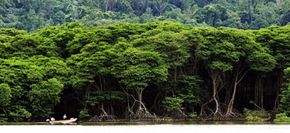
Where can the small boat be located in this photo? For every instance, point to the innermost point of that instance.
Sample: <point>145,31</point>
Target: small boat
<point>71,121</point>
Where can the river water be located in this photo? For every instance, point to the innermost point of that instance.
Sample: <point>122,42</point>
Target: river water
<point>160,128</point>
<point>155,123</point>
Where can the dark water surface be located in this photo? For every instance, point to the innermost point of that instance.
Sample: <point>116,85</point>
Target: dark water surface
<point>156,123</point>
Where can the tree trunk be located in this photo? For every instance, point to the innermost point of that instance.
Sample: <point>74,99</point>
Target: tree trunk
<point>230,107</point>
<point>278,89</point>
<point>104,113</point>
<point>214,95</point>
<point>228,89</point>
<point>141,112</point>
<point>139,97</point>
<point>259,92</point>
<point>175,79</point>
<point>231,103</point>
<point>239,76</point>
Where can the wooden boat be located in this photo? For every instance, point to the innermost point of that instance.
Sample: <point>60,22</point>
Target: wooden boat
<point>71,121</point>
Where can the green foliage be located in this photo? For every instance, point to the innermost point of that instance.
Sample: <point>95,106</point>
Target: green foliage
<point>110,66</point>
<point>64,37</point>
<point>105,96</point>
<point>262,61</point>
<point>282,117</point>
<point>19,113</point>
<point>43,96</point>
<point>34,14</point>
<point>193,115</point>
<point>285,95</point>
<point>38,81</point>
<point>188,88</point>
<point>136,68</point>
<point>5,94</point>
<point>212,14</point>
<point>256,115</point>
<point>172,46</point>
<point>2,118</point>
<point>217,48</point>
<point>84,114</point>
<point>172,104</point>
<point>277,40</point>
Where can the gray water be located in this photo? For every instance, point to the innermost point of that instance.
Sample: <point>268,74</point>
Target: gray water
<point>156,123</point>
<point>149,127</point>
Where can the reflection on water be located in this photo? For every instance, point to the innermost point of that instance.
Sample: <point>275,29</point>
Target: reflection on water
<point>178,123</point>
<point>154,123</point>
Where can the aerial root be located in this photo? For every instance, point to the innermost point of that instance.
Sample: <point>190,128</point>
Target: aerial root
<point>142,113</point>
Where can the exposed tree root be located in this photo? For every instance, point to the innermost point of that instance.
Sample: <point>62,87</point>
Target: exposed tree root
<point>207,111</point>
<point>233,115</point>
<point>138,109</point>
<point>104,116</point>
<point>141,113</point>
<point>222,114</point>
<point>178,114</point>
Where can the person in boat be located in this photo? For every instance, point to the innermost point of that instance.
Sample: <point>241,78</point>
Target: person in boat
<point>64,116</point>
<point>51,119</point>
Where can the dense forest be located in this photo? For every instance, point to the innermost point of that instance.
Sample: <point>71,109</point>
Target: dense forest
<point>243,14</point>
<point>102,60</point>
<point>144,71</point>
